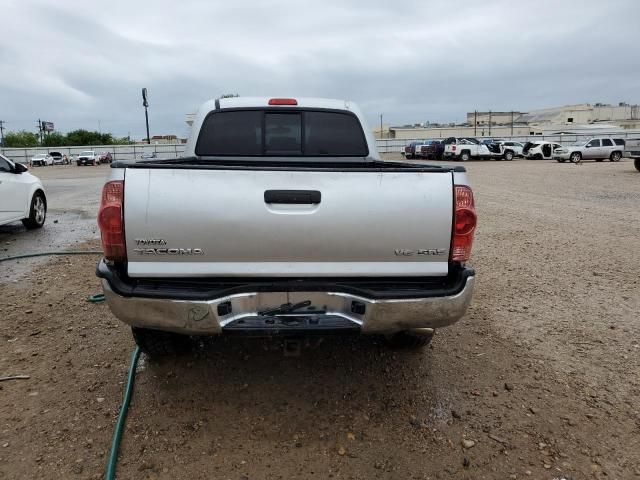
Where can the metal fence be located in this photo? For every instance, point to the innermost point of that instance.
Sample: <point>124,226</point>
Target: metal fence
<point>118,152</point>
<point>174,150</point>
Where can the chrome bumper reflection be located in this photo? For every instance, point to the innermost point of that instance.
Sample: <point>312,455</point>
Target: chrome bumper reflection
<point>203,317</point>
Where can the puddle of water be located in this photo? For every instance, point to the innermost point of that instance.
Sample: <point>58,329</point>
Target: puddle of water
<point>61,231</point>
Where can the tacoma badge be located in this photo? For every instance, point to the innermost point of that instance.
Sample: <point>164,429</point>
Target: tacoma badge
<point>168,251</point>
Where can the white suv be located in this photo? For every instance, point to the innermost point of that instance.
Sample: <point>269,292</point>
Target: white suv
<point>597,149</point>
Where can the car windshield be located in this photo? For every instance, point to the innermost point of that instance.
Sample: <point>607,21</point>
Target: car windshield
<point>39,155</point>
<point>88,153</point>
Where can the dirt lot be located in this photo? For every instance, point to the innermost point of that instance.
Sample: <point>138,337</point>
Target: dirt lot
<point>542,375</point>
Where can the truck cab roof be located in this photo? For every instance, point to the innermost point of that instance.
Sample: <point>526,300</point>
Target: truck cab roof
<point>278,104</point>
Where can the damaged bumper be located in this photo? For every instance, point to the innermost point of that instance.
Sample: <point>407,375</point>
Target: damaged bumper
<point>261,307</point>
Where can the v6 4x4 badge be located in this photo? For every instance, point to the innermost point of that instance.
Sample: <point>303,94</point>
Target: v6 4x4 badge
<point>403,252</point>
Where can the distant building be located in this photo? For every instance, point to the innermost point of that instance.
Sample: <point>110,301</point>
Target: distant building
<point>569,119</point>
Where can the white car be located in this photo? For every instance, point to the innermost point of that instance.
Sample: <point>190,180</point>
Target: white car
<point>22,195</point>
<point>539,150</point>
<point>88,157</point>
<point>515,147</point>
<point>597,149</point>
<point>41,160</point>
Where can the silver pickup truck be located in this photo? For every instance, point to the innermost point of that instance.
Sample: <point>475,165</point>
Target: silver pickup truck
<point>281,219</point>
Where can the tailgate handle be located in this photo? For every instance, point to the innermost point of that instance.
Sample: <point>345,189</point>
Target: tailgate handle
<point>304,197</point>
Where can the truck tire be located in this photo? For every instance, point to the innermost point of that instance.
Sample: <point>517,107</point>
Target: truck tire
<point>508,155</point>
<point>158,343</point>
<point>37,211</point>
<point>575,157</point>
<point>615,157</point>
<point>408,340</point>
<point>465,155</point>
<point>636,163</point>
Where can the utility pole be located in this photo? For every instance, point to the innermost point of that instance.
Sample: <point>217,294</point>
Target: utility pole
<point>381,135</point>
<point>475,123</point>
<point>512,123</point>
<point>489,122</point>
<point>40,130</point>
<point>2,122</point>
<point>145,103</point>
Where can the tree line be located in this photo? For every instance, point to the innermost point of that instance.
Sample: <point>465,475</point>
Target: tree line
<point>81,137</point>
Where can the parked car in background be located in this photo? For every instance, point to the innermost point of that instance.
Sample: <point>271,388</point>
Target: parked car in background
<point>632,150</point>
<point>88,157</point>
<point>148,156</point>
<point>490,141</point>
<point>59,158</point>
<point>22,195</point>
<point>597,149</point>
<point>539,150</point>
<point>410,150</point>
<point>515,147</point>
<point>431,149</point>
<point>41,160</point>
<point>105,157</point>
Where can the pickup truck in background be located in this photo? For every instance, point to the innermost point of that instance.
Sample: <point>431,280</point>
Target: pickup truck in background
<point>632,150</point>
<point>431,149</point>
<point>88,157</point>
<point>410,151</point>
<point>281,219</point>
<point>465,149</point>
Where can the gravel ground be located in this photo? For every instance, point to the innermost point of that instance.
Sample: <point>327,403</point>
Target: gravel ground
<point>540,380</point>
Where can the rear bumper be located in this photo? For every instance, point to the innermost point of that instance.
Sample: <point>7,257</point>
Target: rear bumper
<point>327,309</point>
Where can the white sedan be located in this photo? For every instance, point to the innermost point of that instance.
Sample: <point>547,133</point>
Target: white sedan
<point>22,195</point>
<point>41,159</point>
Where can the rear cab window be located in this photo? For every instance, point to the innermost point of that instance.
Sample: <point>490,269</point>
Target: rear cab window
<point>281,133</point>
<point>618,141</point>
<point>607,143</point>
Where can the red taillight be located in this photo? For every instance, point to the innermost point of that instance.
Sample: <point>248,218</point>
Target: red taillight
<point>453,148</point>
<point>111,221</point>
<point>283,101</point>
<point>464,224</point>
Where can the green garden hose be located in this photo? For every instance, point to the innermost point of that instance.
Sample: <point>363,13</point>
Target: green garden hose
<point>117,433</point>
<point>44,254</point>
<point>95,298</point>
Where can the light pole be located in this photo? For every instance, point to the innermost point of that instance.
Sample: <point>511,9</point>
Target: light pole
<point>381,135</point>
<point>145,103</point>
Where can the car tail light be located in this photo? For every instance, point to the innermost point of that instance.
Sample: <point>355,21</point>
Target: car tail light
<point>453,148</point>
<point>464,224</point>
<point>111,221</point>
<point>283,101</point>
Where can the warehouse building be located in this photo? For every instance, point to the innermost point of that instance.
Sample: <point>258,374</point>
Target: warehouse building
<point>584,118</point>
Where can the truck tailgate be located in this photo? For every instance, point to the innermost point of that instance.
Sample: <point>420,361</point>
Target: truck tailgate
<point>209,223</point>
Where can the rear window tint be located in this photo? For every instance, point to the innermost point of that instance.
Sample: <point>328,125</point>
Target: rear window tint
<point>281,133</point>
<point>618,141</point>
<point>607,143</point>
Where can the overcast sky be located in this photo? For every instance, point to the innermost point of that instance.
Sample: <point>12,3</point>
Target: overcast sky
<point>82,63</point>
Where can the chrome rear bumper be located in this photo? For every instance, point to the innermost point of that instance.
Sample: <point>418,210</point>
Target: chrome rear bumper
<point>210,317</point>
